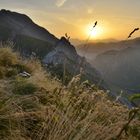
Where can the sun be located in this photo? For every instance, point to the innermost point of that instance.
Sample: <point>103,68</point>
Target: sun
<point>95,33</point>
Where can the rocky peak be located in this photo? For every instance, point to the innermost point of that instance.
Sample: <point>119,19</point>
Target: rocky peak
<point>4,11</point>
<point>65,41</point>
<point>65,46</point>
<point>15,16</point>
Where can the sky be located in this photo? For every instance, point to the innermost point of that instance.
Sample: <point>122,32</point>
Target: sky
<point>116,18</point>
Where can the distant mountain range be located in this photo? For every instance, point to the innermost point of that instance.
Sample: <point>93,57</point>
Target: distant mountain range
<point>57,54</point>
<point>79,42</point>
<point>118,62</point>
<point>91,50</point>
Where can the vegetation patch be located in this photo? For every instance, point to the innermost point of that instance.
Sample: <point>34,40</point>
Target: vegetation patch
<point>24,88</point>
<point>42,108</point>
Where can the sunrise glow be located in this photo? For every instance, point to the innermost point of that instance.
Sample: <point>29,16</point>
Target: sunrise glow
<point>78,22</point>
<point>94,33</point>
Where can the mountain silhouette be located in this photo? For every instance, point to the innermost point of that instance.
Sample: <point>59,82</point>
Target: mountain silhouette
<point>29,38</point>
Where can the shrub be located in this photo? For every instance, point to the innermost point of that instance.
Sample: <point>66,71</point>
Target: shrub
<point>11,72</point>
<point>23,67</point>
<point>8,57</point>
<point>24,88</point>
<point>2,72</point>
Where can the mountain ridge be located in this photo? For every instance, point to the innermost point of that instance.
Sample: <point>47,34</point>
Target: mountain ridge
<point>30,38</point>
<point>94,49</point>
<point>12,18</point>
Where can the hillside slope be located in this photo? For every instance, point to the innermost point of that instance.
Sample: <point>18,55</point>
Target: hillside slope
<point>40,108</point>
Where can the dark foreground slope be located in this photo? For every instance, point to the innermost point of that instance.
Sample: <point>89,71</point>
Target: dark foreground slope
<point>55,53</point>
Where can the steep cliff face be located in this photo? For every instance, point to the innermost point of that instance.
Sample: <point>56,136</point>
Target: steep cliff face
<point>65,56</point>
<point>62,50</point>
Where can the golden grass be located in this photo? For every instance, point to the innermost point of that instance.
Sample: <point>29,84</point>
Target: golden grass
<point>54,112</point>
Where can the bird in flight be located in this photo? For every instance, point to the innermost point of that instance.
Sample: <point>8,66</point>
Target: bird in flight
<point>136,29</point>
<point>95,24</point>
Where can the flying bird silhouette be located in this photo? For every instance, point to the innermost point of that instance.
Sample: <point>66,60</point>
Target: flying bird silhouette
<point>95,24</point>
<point>136,29</point>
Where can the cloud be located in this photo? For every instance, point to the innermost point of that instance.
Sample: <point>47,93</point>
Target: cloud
<point>60,3</point>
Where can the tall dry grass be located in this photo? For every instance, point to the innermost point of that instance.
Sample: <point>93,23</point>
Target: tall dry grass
<point>41,108</point>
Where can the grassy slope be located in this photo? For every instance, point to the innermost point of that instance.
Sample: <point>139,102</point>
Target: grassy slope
<point>40,108</point>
